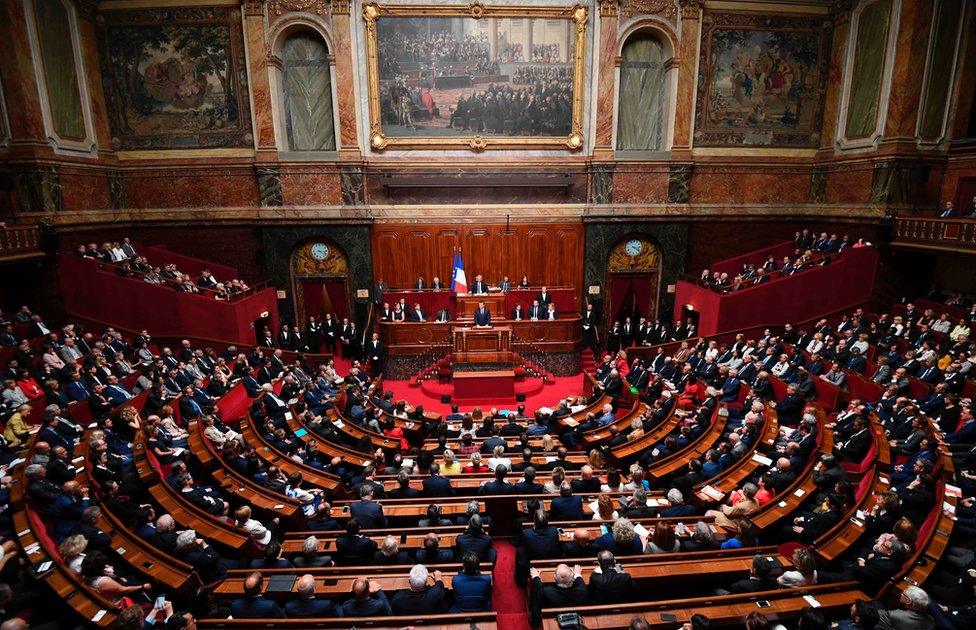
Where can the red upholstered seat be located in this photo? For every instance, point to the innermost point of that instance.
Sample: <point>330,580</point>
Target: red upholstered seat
<point>787,549</point>
<point>860,469</point>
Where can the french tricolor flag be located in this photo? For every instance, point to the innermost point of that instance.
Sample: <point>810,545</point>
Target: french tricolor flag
<point>459,283</point>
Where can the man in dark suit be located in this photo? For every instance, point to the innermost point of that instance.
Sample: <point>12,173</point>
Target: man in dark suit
<point>856,446</point>
<point>254,605</point>
<point>403,489</point>
<point>568,591</point>
<point>581,546</point>
<point>436,485</point>
<point>352,548</point>
<point>426,594</point>
<point>417,314</point>
<point>482,316</point>
<point>472,589</point>
<point>790,409</point>
<point>368,600</point>
<point>366,511</point>
<point>536,311</point>
<point>542,540</point>
<point>475,540</point>
<point>479,286</point>
<point>588,482</point>
<point>760,578</point>
<point>567,506</point>
<point>610,585</point>
<point>374,354</point>
<point>528,484</point>
<point>307,606</point>
<point>431,552</point>
<point>499,485</point>
<point>544,298</point>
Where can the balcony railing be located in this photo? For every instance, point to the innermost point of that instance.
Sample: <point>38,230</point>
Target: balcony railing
<point>934,233</point>
<point>20,242</point>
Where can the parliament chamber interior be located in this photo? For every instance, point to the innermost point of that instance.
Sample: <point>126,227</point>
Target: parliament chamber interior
<point>465,315</point>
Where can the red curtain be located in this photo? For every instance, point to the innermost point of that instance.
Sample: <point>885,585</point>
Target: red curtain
<point>629,296</point>
<point>336,292</point>
<point>325,296</point>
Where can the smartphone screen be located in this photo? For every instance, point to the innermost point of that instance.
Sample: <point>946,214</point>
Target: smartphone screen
<point>762,603</point>
<point>160,601</point>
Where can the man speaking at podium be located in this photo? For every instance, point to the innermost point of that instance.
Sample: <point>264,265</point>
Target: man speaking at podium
<point>482,317</point>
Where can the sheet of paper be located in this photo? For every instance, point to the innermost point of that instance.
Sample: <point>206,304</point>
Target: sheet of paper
<point>810,600</point>
<point>641,531</point>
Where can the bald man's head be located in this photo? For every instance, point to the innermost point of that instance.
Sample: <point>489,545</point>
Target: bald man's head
<point>586,472</point>
<point>360,588</point>
<point>306,586</point>
<point>564,576</point>
<point>253,584</point>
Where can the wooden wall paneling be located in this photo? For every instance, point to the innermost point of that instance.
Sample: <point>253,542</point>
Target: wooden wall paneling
<point>548,253</point>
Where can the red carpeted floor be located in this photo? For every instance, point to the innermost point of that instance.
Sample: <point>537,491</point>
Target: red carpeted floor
<point>507,599</point>
<point>550,395</point>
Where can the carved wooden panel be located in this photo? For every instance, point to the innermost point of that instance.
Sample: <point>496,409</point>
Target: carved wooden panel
<point>549,254</point>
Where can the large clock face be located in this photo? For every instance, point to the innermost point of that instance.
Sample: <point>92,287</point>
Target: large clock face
<point>320,251</point>
<point>633,247</point>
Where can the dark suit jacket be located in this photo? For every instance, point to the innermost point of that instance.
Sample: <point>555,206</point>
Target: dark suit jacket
<point>611,588</point>
<point>256,607</point>
<point>310,608</point>
<point>470,542</point>
<point>438,486</point>
<point>542,543</point>
<point>369,513</point>
<point>566,509</point>
<point>429,600</point>
<point>751,585</point>
<point>482,317</point>
<point>552,596</point>
<point>355,550</point>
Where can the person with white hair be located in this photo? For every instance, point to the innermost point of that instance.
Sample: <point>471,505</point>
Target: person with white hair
<point>913,614</point>
<point>201,556</point>
<point>307,606</point>
<point>310,557</point>
<point>567,591</point>
<point>389,552</point>
<point>426,594</point>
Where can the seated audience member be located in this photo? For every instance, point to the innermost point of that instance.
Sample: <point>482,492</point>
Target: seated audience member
<point>621,540</point>
<point>609,584</point>
<point>426,594</point>
<point>255,605</point>
<point>566,591</point>
<point>760,578</point>
<point>567,506</point>
<point>431,553</point>
<point>472,589</point>
<point>306,605</point>
<point>353,548</point>
<point>474,539</point>
<point>390,553</point>
<point>368,600</point>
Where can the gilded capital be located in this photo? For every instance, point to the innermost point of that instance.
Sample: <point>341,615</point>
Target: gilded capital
<point>253,8</point>
<point>608,8</point>
<point>691,9</point>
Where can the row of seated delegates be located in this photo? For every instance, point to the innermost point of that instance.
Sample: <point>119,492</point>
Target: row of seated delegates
<point>949,210</point>
<point>470,592</point>
<point>128,263</point>
<point>478,286</point>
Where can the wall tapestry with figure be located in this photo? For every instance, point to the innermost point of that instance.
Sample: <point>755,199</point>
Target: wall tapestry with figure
<point>175,78</point>
<point>761,80</point>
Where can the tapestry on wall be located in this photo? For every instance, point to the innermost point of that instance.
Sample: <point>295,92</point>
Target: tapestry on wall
<point>761,80</point>
<point>175,78</point>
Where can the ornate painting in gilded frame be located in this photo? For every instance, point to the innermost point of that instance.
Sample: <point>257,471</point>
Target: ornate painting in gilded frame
<point>475,76</point>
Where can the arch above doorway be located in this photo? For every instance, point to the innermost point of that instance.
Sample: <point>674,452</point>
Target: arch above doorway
<point>633,278</point>
<point>319,272</point>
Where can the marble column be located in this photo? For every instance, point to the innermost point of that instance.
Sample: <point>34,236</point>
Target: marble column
<point>20,86</point>
<point>259,79</point>
<point>348,140</point>
<point>606,75</point>
<point>691,13</point>
<point>906,79</point>
<point>841,18</point>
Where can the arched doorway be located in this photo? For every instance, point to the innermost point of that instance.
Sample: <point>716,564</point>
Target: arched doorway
<point>633,280</point>
<point>320,281</point>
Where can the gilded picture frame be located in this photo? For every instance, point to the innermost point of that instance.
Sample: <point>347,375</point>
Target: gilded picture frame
<point>503,133</point>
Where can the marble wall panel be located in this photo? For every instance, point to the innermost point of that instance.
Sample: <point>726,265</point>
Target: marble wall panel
<point>849,185</point>
<point>186,188</point>
<point>761,186</point>
<point>310,186</point>
<point>84,189</point>
<point>631,186</point>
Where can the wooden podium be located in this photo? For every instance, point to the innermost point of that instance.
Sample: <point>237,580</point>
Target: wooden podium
<point>482,345</point>
<point>495,302</point>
